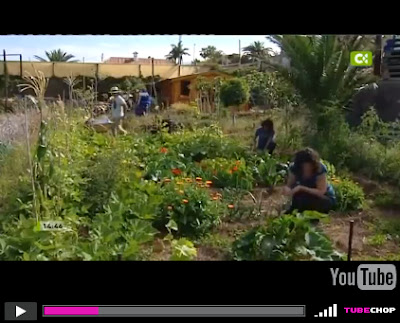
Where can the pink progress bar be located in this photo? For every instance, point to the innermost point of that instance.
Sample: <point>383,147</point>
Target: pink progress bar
<point>51,310</point>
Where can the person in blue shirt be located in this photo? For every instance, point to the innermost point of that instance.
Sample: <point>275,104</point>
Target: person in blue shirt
<point>264,138</point>
<point>143,104</point>
<point>308,185</point>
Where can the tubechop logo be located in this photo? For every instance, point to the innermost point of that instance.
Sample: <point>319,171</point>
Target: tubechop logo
<point>367,277</point>
<point>361,58</point>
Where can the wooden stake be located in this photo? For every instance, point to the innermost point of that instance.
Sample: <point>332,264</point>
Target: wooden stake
<point>350,240</point>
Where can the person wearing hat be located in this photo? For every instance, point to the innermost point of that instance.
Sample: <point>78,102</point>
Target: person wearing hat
<point>118,104</point>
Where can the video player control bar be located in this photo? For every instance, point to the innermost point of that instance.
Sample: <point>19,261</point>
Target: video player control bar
<point>176,311</point>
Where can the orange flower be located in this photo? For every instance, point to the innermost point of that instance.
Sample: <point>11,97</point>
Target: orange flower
<point>231,206</point>
<point>209,182</point>
<point>167,180</point>
<point>184,201</point>
<point>199,179</point>
<point>215,198</point>
<point>163,150</point>
<point>238,162</point>
<point>176,171</point>
<point>169,207</point>
<point>235,168</point>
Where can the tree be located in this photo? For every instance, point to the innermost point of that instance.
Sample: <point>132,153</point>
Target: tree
<point>211,53</point>
<point>56,55</point>
<point>177,52</point>
<point>320,69</point>
<point>234,92</point>
<point>257,51</point>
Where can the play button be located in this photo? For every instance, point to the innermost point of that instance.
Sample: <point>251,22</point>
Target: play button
<point>19,311</point>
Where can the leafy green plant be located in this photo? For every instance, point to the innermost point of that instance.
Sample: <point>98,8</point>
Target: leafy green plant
<point>290,237</point>
<point>183,249</point>
<point>268,171</point>
<point>349,195</point>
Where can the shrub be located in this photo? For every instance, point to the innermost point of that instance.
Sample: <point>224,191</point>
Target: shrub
<point>188,204</point>
<point>290,237</point>
<point>234,92</point>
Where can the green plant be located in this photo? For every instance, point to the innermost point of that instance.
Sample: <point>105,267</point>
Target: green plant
<point>268,171</point>
<point>290,237</point>
<point>188,203</point>
<point>234,92</point>
<point>183,249</point>
<point>227,173</point>
<point>349,195</point>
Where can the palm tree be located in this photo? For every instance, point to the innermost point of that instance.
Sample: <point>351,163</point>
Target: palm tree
<point>56,55</point>
<point>177,52</point>
<point>257,51</point>
<point>320,69</point>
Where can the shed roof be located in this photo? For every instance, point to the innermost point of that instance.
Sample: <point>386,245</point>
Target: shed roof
<point>208,73</point>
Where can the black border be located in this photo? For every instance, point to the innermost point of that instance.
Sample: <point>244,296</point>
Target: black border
<point>171,283</point>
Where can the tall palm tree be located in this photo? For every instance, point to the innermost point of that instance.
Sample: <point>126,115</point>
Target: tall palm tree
<point>320,67</point>
<point>257,51</point>
<point>177,52</point>
<point>56,55</point>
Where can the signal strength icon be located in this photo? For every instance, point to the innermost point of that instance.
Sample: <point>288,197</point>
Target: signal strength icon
<point>330,312</point>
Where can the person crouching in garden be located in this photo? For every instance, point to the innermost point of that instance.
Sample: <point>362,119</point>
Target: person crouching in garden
<point>308,184</point>
<point>264,139</point>
<point>118,108</point>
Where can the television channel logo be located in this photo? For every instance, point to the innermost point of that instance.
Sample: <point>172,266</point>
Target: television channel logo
<point>361,58</point>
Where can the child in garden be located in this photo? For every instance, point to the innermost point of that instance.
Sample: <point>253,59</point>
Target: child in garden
<point>264,138</point>
<point>143,104</point>
<point>308,185</point>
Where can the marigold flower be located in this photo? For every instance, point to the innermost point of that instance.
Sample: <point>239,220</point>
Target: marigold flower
<point>235,168</point>
<point>163,150</point>
<point>185,201</point>
<point>215,198</point>
<point>199,179</point>
<point>209,182</point>
<point>231,206</point>
<point>167,180</point>
<point>176,171</point>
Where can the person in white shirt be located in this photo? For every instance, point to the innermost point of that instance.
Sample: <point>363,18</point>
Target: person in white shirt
<point>118,108</point>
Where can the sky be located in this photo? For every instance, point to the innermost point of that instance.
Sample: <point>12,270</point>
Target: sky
<point>90,47</point>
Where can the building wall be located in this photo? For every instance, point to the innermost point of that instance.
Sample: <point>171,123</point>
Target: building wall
<point>59,69</point>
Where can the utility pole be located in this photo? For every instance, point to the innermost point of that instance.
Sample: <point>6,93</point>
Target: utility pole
<point>5,79</point>
<point>84,78</point>
<point>194,54</point>
<point>378,55</point>
<point>102,57</point>
<point>240,53</point>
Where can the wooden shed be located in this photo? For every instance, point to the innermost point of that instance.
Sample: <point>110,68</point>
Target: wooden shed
<point>183,89</point>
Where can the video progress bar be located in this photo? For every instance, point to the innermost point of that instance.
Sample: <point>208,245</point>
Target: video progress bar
<point>175,311</point>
